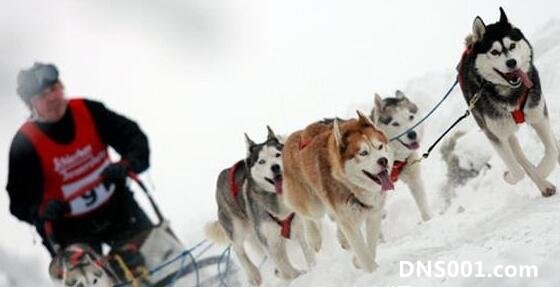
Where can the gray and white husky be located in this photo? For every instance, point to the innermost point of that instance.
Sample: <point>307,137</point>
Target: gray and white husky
<point>251,209</point>
<point>497,69</point>
<point>393,115</point>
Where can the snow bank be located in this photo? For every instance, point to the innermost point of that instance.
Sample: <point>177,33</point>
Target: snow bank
<point>22,271</point>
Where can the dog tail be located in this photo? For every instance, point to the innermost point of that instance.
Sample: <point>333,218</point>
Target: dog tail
<point>215,232</point>
<point>448,146</point>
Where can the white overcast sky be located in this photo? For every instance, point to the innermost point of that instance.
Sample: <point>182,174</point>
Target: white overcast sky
<point>196,74</point>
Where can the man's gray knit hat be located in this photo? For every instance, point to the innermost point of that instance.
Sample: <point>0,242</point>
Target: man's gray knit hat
<point>33,81</point>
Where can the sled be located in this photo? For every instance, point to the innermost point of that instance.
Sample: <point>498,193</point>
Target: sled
<point>153,258</point>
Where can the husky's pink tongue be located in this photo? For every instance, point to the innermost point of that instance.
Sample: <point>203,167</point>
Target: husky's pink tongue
<point>278,184</point>
<point>524,78</point>
<point>414,145</point>
<point>386,183</point>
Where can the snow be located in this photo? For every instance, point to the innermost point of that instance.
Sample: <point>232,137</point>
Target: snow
<point>197,74</point>
<point>472,154</point>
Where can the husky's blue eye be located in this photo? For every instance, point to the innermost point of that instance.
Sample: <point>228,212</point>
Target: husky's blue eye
<point>495,52</point>
<point>512,46</point>
<point>262,161</point>
<point>364,153</point>
<point>395,124</point>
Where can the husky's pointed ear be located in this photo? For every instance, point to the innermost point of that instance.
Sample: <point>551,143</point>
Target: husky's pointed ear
<point>378,101</point>
<point>399,94</point>
<point>372,115</point>
<point>479,28</point>
<point>250,144</point>
<point>503,17</point>
<point>271,134</point>
<point>56,267</point>
<point>337,134</point>
<point>377,107</point>
<point>363,119</point>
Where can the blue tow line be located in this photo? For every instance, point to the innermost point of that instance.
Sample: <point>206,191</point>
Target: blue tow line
<point>181,257</point>
<point>222,275</point>
<point>429,113</point>
<point>182,266</point>
<point>227,255</point>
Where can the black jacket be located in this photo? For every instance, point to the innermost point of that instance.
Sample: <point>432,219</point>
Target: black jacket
<point>25,182</point>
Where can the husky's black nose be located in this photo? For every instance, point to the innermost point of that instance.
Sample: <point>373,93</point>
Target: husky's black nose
<point>511,63</point>
<point>383,162</point>
<point>275,168</point>
<point>411,135</point>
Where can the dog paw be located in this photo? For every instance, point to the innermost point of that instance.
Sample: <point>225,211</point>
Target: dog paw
<point>316,244</point>
<point>343,242</point>
<point>548,191</point>
<point>291,275</point>
<point>512,178</point>
<point>255,278</point>
<point>311,261</point>
<point>344,245</point>
<point>356,262</point>
<point>426,216</point>
<point>381,238</point>
<point>372,266</point>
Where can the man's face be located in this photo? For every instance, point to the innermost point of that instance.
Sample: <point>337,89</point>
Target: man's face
<point>50,104</point>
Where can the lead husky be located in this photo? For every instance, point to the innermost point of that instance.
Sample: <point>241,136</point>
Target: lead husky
<point>393,115</point>
<point>497,67</point>
<point>340,168</point>
<point>250,207</point>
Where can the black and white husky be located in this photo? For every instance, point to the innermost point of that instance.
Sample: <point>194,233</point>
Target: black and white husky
<point>251,209</point>
<point>497,75</point>
<point>393,115</point>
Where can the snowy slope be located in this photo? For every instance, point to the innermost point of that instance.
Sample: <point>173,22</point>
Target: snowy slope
<point>500,224</point>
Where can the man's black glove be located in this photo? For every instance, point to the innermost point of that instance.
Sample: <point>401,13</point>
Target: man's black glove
<point>115,173</point>
<point>54,210</point>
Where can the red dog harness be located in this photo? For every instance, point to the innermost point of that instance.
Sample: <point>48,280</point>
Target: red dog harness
<point>285,225</point>
<point>398,167</point>
<point>518,114</point>
<point>460,73</point>
<point>77,254</point>
<point>304,142</point>
<point>233,186</point>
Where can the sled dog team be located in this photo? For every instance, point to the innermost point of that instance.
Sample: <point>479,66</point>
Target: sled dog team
<point>345,168</point>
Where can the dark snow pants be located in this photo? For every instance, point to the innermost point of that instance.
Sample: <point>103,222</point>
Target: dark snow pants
<point>113,224</point>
